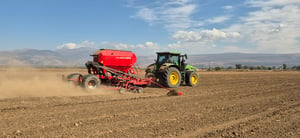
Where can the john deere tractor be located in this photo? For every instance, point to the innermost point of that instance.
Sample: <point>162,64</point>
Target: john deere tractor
<point>171,70</point>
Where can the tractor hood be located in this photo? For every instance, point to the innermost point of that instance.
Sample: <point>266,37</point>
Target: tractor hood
<point>190,67</point>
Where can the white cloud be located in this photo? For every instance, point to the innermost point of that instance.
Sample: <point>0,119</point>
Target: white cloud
<point>227,7</point>
<point>202,41</point>
<point>68,46</point>
<point>175,45</point>
<point>178,17</point>
<point>173,14</point>
<point>215,34</point>
<point>204,35</point>
<point>85,43</point>
<point>219,19</point>
<point>177,2</point>
<point>116,45</point>
<point>146,14</point>
<point>271,3</point>
<point>270,26</point>
<point>186,36</point>
<point>151,45</point>
<point>146,45</point>
<point>274,27</point>
<point>195,47</point>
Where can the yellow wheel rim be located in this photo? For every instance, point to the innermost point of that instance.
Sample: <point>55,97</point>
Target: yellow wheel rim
<point>194,79</point>
<point>174,78</point>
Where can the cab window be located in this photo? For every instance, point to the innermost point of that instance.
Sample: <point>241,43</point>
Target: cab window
<point>162,59</point>
<point>174,59</point>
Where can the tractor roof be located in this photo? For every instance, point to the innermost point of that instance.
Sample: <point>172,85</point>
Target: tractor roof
<point>176,53</point>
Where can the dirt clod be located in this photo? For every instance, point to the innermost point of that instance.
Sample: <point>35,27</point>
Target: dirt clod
<point>18,132</point>
<point>173,93</point>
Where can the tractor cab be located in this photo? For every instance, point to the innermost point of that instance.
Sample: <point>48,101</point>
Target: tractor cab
<point>168,57</point>
<point>172,58</point>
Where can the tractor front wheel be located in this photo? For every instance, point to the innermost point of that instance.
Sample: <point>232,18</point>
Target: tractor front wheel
<point>191,78</point>
<point>171,77</point>
<point>90,82</point>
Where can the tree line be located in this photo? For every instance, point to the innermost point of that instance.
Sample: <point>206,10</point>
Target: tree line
<point>262,67</point>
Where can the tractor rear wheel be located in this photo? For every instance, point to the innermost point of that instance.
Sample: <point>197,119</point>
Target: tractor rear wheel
<point>171,77</point>
<point>191,78</point>
<point>90,82</point>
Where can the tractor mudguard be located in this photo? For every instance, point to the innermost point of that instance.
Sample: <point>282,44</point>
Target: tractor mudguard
<point>163,66</point>
<point>150,68</point>
<point>190,67</point>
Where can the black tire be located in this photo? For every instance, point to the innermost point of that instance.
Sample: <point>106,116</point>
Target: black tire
<point>191,78</point>
<point>122,91</point>
<point>153,78</point>
<point>139,90</point>
<point>150,75</point>
<point>90,82</point>
<point>171,77</point>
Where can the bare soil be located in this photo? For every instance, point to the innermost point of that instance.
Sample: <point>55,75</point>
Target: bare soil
<point>35,103</point>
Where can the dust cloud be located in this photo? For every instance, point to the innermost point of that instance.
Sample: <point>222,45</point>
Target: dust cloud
<point>36,82</point>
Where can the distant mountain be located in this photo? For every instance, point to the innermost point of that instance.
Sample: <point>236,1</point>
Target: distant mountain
<point>78,57</point>
<point>33,57</point>
<point>230,59</point>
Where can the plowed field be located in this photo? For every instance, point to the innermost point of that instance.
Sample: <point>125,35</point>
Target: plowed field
<point>35,103</point>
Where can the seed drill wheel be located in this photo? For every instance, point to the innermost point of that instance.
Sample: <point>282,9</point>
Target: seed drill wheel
<point>73,76</point>
<point>192,78</point>
<point>171,77</point>
<point>74,79</point>
<point>122,91</point>
<point>90,82</point>
<point>139,90</point>
<point>150,75</point>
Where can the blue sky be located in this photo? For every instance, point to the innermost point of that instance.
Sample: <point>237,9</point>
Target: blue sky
<point>147,26</point>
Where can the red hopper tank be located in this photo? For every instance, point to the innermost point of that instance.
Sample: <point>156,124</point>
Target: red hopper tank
<point>116,59</point>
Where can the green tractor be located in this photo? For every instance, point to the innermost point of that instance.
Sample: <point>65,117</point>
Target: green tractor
<point>170,70</point>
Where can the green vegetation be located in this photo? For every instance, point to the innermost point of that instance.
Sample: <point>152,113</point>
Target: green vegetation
<point>240,67</point>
